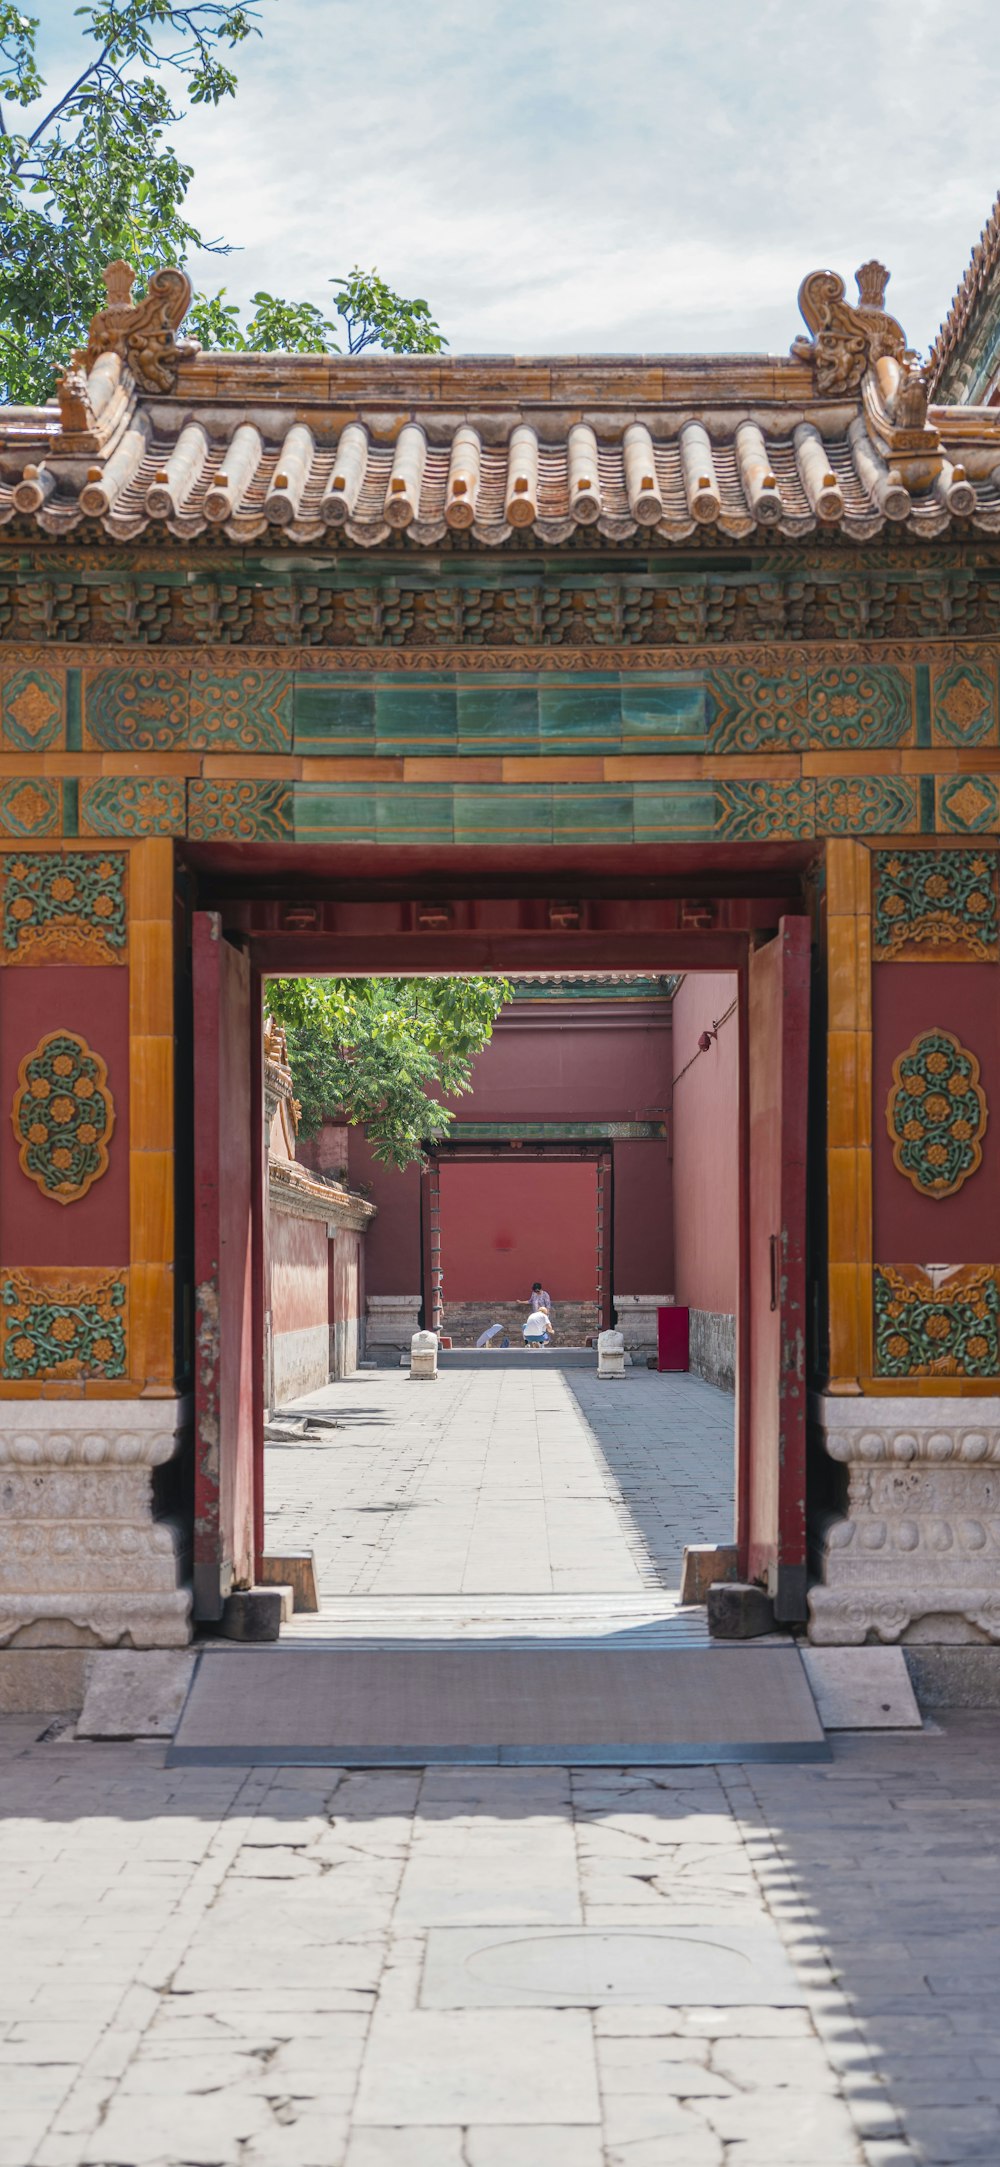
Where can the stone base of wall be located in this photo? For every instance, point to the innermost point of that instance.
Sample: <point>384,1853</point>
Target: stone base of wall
<point>916,1555</point>
<point>572,1322</point>
<point>300,1362</point>
<point>84,1560</point>
<point>712,1352</point>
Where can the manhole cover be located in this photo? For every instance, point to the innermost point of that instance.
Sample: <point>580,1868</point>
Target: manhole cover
<point>475,1968</point>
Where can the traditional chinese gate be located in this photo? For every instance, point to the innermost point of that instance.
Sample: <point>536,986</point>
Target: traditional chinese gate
<point>567,663</point>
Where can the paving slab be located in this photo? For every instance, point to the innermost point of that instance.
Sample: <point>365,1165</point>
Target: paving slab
<point>469,2066</point>
<point>135,1693</point>
<point>862,1689</point>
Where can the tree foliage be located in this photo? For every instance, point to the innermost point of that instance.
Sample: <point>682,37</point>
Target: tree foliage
<point>90,173</point>
<point>371,315</point>
<point>373,1050</point>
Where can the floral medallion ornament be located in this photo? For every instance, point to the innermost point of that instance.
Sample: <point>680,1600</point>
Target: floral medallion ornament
<point>63,1116</point>
<point>936,1114</point>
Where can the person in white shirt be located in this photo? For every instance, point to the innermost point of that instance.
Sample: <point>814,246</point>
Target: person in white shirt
<point>537,1329</point>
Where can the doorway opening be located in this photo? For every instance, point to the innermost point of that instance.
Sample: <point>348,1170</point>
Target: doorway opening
<point>617,1469</point>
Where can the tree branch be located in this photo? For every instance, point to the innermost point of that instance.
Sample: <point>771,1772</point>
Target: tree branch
<point>63,102</point>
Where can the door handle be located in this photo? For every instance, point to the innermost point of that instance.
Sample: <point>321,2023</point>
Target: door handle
<point>774,1271</point>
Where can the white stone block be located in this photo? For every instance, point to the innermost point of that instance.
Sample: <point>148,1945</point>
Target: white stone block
<point>862,1689</point>
<point>610,1354</point>
<point>424,1354</point>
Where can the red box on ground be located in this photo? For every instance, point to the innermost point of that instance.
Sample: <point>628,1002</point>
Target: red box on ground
<point>672,1337</point>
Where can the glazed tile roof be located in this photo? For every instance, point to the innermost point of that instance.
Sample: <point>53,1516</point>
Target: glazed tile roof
<point>951,355</point>
<point>153,437</point>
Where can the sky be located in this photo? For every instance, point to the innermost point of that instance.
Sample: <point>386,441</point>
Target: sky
<point>600,176</point>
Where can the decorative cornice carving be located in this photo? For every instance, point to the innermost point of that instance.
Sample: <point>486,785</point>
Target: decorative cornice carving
<point>292,1189</point>
<point>144,332</point>
<point>846,340</point>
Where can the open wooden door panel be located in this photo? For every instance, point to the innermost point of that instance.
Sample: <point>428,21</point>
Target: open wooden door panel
<point>778,1032</point>
<point>223,1261</point>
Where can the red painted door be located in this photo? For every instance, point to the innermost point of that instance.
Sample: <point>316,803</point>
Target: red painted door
<point>223,1253</point>
<point>778,1034</point>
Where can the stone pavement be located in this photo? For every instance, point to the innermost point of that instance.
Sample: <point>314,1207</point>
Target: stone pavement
<point>221,1968</point>
<point>503,1482</point>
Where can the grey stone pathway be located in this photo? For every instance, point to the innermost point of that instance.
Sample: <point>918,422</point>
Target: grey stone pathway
<point>504,1483</point>
<point>246,1969</point>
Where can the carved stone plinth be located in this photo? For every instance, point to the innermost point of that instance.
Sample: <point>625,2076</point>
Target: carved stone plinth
<point>84,1560</point>
<point>392,1320</point>
<point>636,1314</point>
<point>916,1556</point>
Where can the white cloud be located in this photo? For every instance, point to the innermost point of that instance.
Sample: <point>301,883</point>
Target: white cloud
<point>581,175</point>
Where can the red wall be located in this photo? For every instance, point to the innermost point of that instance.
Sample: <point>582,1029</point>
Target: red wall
<point>907,999</point>
<point>573,1062</point>
<point>706,1167</point>
<point>392,1243</point>
<point>644,1232</point>
<point>94,1229</point>
<point>299,1272</point>
<point>503,1225</point>
<point>595,1061</point>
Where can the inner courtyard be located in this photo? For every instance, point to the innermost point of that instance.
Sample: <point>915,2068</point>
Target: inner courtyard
<point>500,1482</point>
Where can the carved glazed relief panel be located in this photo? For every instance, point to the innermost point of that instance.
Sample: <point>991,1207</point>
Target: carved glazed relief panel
<point>937,1324</point>
<point>63,1116</point>
<point>936,1114</point>
<point>63,907</point>
<point>62,1324</point>
<point>927,899</point>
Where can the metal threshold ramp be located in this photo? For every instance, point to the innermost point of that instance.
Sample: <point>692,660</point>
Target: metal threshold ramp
<point>400,1708</point>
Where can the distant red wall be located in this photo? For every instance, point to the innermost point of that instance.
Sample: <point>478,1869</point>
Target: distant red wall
<point>392,1243</point>
<point>595,1061</point>
<point>644,1232</point>
<point>504,1225</point>
<point>583,1062</point>
<point>706,1167</point>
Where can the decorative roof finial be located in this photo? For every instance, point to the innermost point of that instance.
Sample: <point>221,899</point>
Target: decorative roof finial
<point>847,341</point>
<point>872,278</point>
<point>144,333</point>
<point>119,279</point>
